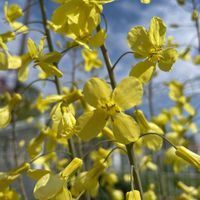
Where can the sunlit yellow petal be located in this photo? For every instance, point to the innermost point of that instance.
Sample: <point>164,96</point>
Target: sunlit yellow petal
<point>167,59</point>
<point>64,194</point>
<point>143,71</point>
<point>125,128</point>
<point>146,1</point>
<point>98,39</point>
<point>3,61</point>
<point>32,48</point>
<point>48,186</point>
<point>50,69</point>
<point>90,124</point>
<point>157,32</point>
<point>128,93</point>
<point>36,174</point>
<point>96,90</point>
<point>51,57</point>
<point>138,41</point>
<point>5,116</point>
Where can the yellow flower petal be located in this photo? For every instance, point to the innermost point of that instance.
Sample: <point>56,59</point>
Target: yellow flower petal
<point>128,93</point>
<point>91,59</point>
<point>32,48</point>
<point>157,32</point>
<point>153,142</point>
<point>19,27</point>
<point>143,71</point>
<point>14,62</point>
<point>125,128</point>
<point>95,91</point>
<point>20,169</point>
<point>12,12</point>
<point>64,194</point>
<point>6,179</point>
<point>98,39</point>
<point>5,116</point>
<point>24,69</point>
<point>188,156</point>
<point>167,59</point>
<point>8,36</point>
<point>50,69</point>
<point>51,57</point>
<point>90,124</point>
<point>146,1</point>
<point>138,41</point>
<point>48,186</point>
<point>71,167</point>
<point>36,174</point>
<point>3,61</point>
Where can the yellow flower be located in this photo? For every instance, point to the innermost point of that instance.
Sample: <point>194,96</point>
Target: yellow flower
<point>89,180</point>
<point>176,93</point>
<point>147,163</point>
<point>109,105</point>
<point>133,195</point>
<point>45,61</point>
<point>63,120</point>
<point>150,193</point>
<point>176,162</point>
<point>9,194</point>
<point>5,116</point>
<point>195,15</point>
<point>91,59</point>
<point>8,61</point>
<point>6,178</point>
<point>52,186</point>
<point>5,111</point>
<point>146,1</point>
<point>78,20</point>
<point>149,44</point>
<point>12,13</point>
<point>6,37</point>
<point>188,156</point>
<point>24,69</point>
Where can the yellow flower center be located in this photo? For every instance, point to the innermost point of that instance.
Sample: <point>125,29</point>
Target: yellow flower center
<point>155,54</point>
<point>111,108</point>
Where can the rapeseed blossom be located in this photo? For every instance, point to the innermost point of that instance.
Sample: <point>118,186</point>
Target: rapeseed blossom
<point>110,105</point>
<point>149,45</point>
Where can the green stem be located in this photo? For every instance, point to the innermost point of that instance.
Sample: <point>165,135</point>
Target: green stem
<point>136,182</point>
<point>124,54</point>
<point>33,82</point>
<point>107,60</point>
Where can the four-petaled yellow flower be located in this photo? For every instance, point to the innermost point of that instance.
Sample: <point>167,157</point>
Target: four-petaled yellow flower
<point>149,45</point>
<point>109,105</point>
<point>45,61</point>
<point>78,20</point>
<point>91,59</point>
<point>12,12</point>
